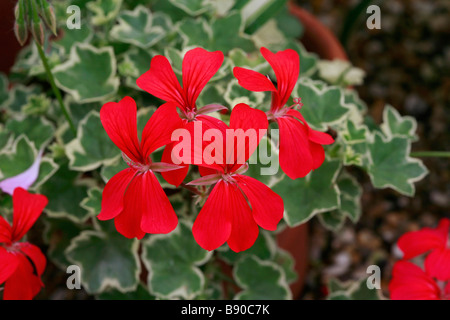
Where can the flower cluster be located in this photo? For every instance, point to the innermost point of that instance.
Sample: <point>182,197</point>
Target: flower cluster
<point>411,282</point>
<point>236,204</point>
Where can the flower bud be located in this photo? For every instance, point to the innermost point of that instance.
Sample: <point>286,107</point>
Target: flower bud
<point>48,14</point>
<point>37,30</point>
<point>21,32</point>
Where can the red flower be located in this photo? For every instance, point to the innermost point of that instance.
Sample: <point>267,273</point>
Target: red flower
<point>199,66</point>
<point>21,263</point>
<point>409,282</point>
<point>134,197</point>
<point>300,146</point>
<point>436,242</point>
<point>237,204</point>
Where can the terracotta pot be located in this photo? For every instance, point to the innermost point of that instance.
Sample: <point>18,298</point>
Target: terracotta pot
<point>319,39</point>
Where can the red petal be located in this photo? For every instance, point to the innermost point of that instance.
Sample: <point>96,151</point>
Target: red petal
<point>295,155</point>
<point>174,177</point>
<point>128,222</point>
<point>409,282</point>
<point>245,118</point>
<point>114,193</point>
<point>199,66</point>
<point>36,256</point>
<point>437,264</point>
<point>23,284</point>
<point>320,137</point>
<point>8,264</point>
<point>414,243</point>
<point>161,81</point>
<point>158,215</point>
<point>120,123</point>
<point>317,153</point>
<point>27,209</point>
<point>5,231</point>
<point>159,128</point>
<point>267,206</point>
<point>212,227</point>
<point>252,80</point>
<point>244,229</point>
<point>286,65</point>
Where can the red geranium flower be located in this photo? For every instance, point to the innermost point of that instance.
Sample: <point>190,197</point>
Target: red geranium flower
<point>199,66</point>
<point>237,204</point>
<point>409,282</point>
<point>21,263</point>
<point>436,242</point>
<point>134,197</point>
<point>300,146</point>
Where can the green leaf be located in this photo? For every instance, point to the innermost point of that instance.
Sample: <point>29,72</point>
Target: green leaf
<point>58,234</point>
<point>394,125</point>
<point>140,294</point>
<point>65,191</point>
<point>260,280</point>
<point>136,28</point>
<point>47,169</point>
<point>192,7</point>
<point>332,220</point>
<point>306,197</point>
<point>93,202</point>
<point>323,105</point>
<point>236,94</point>
<point>263,163</point>
<point>17,158</point>
<point>111,169</point>
<point>286,261</point>
<point>4,92</point>
<point>173,261</point>
<point>92,147</point>
<point>104,10</point>
<point>264,248</point>
<point>350,194</point>
<point>107,261</point>
<point>134,63</point>
<point>222,34</point>
<point>352,290</point>
<point>37,129</point>
<point>19,97</point>
<point>391,166</point>
<point>74,36</point>
<point>78,111</point>
<point>89,74</point>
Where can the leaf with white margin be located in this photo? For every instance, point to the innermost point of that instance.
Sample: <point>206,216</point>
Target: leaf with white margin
<point>391,166</point>
<point>306,197</point>
<point>260,280</point>
<point>93,202</point>
<point>264,248</point>
<point>352,290</point>
<point>107,261</point>
<point>236,94</point>
<point>19,97</point>
<point>92,147</point>
<point>394,125</point>
<point>6,138</point>
<point>136,28</point>
<point>78,111</point>
<point>134,63</point>
<point>350,193</point>
<point>37,129</point>
<point>47,169</point>
<point>173,262</point>
<point>250,60</point>
<point>104,10</point>
<point>192,7</point>
<point>308,60</point>
<point>221,34</point>
<point>17,158</point>
<point>90,73</point>
<point>332,220</point>
<point>322,105</point>
<point>71,37</point>
<point>57,234</point>
<point>111,169</point>
<point>286,261</point>
<point>141,293</point>
<point>65,191</point>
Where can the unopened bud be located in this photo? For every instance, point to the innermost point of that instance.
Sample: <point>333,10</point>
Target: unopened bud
<point>21,32</point>
<point>48,14</point>
<point>37,30</point>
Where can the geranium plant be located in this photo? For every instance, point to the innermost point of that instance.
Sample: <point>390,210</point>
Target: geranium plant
<point>88,121</point>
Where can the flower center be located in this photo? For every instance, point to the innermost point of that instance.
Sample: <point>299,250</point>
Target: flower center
<point>136,165</point>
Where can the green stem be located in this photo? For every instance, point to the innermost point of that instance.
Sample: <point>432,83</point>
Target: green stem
<point>440,154</point>
<point>55,89</point>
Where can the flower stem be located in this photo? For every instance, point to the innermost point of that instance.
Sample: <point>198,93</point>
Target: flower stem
<point>55,89</point>
<point>440,154</point>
